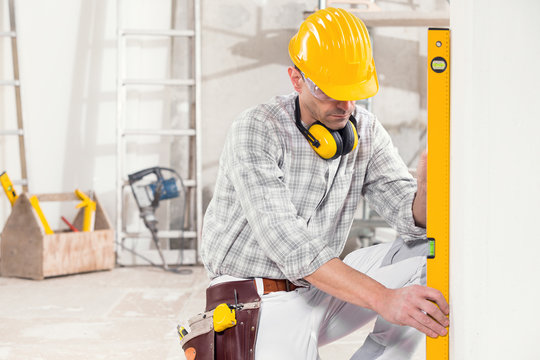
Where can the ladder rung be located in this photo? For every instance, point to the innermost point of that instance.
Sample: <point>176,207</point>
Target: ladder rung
<point>187,182</point>
<point>19,132</point>
<point>20,182</point>
<point>187,132</point>
<point>157,32</point>
<point>10,83</point>
<point>167,82</point>
<point>163,234</point>
<point>8,34</point>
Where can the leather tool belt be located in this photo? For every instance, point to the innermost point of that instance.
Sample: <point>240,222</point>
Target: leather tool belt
<point>271,285</point>
<point>238,341</point>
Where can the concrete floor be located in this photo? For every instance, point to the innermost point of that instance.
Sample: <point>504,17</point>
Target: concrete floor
<point>126,313</point>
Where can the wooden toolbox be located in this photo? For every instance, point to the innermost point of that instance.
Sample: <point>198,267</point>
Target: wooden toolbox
<point>27,252</point>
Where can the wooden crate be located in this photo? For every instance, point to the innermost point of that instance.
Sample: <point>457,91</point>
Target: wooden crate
<point>26,251</point>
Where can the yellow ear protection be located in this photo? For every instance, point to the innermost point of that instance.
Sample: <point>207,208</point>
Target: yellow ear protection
<point>327,143</point>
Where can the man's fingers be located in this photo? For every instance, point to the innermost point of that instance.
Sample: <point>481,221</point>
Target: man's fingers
<point>428,325</point>
<point>421,327</point>
<point>437,297</point>
<point>433,311</point>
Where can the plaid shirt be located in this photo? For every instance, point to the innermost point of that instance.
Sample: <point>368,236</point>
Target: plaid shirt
<point>279,211</point>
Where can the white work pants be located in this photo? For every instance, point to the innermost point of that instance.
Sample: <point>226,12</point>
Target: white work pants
<point>294,324</point>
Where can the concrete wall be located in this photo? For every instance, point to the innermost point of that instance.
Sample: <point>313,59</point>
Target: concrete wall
<point>245,62</point>
<point>68,73</point>
<point>495,179</point>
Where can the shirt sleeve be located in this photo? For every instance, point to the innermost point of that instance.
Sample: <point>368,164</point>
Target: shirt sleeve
<point>389,188</point>
<point>255,153</point>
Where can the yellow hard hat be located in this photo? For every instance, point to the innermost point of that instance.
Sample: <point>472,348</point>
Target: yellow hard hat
<point>333,49</point>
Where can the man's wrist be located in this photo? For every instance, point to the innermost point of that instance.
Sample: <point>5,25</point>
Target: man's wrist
<point>378,298</point>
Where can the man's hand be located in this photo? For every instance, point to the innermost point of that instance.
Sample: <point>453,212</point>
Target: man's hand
<point>418,306</point>
<point>419,203</point>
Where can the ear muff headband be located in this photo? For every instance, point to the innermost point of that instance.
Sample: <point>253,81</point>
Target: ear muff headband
<point>327,143</point>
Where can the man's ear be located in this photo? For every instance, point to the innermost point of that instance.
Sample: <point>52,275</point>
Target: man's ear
<point>296,79</point>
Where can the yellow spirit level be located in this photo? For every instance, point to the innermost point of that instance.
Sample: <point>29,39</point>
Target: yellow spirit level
<point>438,175</point>
<point>8,188</point>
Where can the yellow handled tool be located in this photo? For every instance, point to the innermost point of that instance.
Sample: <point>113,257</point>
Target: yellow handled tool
<point>35,204</point>
<point>182,332</point>
<point>89,210</point>
<point>8,188</point>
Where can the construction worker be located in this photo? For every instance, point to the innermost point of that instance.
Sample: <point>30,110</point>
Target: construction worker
<point>291,176</point>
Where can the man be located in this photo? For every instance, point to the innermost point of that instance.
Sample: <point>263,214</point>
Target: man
<point>291,175</point>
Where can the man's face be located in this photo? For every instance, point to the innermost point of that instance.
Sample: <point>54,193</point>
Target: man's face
<point>334,114</point>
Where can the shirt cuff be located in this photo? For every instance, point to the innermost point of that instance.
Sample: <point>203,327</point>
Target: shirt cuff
<point>408,229</point>
<point>305,260</point>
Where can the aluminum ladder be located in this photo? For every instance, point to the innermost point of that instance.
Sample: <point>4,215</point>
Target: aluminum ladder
<point>16,84</point>
<point>126,256</point>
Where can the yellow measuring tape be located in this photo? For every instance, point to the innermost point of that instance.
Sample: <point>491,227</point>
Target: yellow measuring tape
<point>438,174</point>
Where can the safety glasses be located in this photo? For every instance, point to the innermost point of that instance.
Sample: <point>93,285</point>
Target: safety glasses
<point>315,90</point>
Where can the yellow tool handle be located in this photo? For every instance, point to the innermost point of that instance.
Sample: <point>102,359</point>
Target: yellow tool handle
<point>89,217</point>
<point>89,210</point>
<point>8,188</point>
<point>85,198</point>
<point>35,204</point>
<point>182,332</point>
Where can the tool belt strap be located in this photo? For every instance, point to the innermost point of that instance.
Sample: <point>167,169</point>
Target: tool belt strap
<point>273,285</point>
<point>208,314</point>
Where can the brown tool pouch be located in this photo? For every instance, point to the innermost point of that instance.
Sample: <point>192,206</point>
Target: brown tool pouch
<point>237,342</point>
<point>199,343</point>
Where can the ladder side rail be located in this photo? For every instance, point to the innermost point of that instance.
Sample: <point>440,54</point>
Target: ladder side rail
<point>120,146</point>
<point>198,120</point>
<point>18,102</point>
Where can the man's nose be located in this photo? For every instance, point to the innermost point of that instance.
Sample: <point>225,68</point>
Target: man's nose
<point>346,106</point>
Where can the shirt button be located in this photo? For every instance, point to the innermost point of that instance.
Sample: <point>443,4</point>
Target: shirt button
<point>266,197</point>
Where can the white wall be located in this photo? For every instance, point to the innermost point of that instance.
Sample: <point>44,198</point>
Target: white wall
<point>495,179</point>
<point>67,60</point>
<point>68,68</point>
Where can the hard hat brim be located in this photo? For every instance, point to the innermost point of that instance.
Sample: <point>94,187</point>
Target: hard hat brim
<point>353,92</point>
